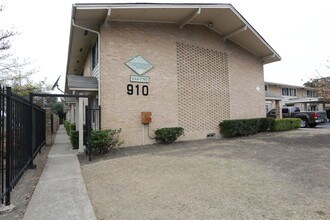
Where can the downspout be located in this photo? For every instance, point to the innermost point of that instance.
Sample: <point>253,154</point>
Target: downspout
<point>98,58</point>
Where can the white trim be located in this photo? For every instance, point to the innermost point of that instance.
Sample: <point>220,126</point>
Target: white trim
<point>82,89</point>
<point>108,16</point>
<point>232,34</point>
<point>99,56</point>
<point>190,18</point>
<point>84,6</point>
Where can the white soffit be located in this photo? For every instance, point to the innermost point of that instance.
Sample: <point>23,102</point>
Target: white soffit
<point>222,18</point>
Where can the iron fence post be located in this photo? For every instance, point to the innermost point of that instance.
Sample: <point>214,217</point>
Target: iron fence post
<point>100,118</point>
<point>8,144</point>
<point>88,128</point>
<point>31,133</point>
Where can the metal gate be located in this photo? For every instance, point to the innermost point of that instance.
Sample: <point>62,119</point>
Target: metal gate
<point>22,134</point>
<point>89,112</point>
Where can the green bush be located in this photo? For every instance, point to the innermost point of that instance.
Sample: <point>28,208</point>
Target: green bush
<point>74,138</point>
<point>69,127</point>
<point>245,127</point>
<point>240,127</point>
<point>168,135</point>
<point>285,124</point>
<point>265,124</point>
<point>296,122</point>
<point>66,126</point>
<point>104,140</point>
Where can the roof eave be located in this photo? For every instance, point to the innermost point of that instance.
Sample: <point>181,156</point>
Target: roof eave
<point>272,57</point>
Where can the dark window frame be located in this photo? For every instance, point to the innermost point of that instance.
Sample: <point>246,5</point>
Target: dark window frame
<point>95,55</point>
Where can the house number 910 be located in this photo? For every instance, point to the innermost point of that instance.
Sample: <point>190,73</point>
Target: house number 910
<point>144,90</point>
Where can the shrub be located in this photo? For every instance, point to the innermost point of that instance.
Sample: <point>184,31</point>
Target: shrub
<point>66,126</point>
<point>69,127</point>
<point>239,127</point>
<point>296,122</point>
<point>104,140</point>
<point>168,135</point>
<point>285,124</point>
<point>265,124</point>
<point>74,138</point>
<point>244,127</point>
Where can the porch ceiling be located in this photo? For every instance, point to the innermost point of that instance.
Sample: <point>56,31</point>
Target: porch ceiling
<point>221,18</point>
<point>269,96</point>
<point>82,83</point>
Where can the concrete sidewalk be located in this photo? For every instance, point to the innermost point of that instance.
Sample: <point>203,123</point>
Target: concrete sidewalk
<point>61,192</point>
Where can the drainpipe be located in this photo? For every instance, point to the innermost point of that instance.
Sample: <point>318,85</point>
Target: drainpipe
<point>98,58</point>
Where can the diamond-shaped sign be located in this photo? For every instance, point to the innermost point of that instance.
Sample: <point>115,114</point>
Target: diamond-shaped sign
<point>139,65</point>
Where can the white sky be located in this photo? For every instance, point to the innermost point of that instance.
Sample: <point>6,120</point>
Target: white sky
<point>299,30</point>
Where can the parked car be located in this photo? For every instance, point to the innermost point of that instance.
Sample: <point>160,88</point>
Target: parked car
<point>328,114</point>
<point>308,118</point>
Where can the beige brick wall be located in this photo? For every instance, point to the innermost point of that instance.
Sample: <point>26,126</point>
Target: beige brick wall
<point>301,93</point>
<point>275,89</point>
<point>158,44</point>
<point>247,92</point>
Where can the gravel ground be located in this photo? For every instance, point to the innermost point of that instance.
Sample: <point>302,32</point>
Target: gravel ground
<point>265,176</point>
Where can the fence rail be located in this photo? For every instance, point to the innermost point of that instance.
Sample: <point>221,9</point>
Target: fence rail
<point>22,131</point>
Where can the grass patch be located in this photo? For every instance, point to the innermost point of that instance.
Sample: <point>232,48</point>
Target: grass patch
<point>321,213</point>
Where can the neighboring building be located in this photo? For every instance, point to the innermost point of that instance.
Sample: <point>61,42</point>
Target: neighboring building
<point>190,65</point>
<point>303,97</point>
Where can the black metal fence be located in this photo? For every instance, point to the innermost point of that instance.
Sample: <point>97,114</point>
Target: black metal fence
<point>22,131</point>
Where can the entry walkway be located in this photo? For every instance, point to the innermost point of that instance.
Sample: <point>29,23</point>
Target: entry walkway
<point>61,192</point>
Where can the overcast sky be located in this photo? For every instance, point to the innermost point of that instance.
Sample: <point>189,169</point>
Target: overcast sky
<point>299,30</point>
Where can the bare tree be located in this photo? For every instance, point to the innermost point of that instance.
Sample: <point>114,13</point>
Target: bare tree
<point>322,88</point>
<point>16,72</point>
<point>8,64</point>
<point>320,83</point>
<point>5,36</point>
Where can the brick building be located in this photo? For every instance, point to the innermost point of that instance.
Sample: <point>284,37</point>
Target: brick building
<point>190,65</point>
<point>305,98</point>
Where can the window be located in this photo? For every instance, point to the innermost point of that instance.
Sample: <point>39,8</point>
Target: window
<point>293,92</point>
<point>289,92</point>
<point>311,93</point>
<point>313,108</point>
<point>285,91</point>
<point>266,87</point>
<point>95,56</point>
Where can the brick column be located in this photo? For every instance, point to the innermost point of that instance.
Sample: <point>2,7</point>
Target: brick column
<point>278,109</point>
<point>48,126</point>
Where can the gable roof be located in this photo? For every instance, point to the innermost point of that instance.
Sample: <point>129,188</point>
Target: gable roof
<point>285,85</point>
<point>221,18</point>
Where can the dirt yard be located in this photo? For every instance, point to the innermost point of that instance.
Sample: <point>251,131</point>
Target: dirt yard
<point>266,176</point>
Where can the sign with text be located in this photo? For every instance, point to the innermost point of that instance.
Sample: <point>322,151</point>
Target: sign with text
<point>139,79</point>
<point>139,65</point>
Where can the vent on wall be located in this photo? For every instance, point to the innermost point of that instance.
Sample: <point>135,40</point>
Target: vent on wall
<point>210,135</point>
